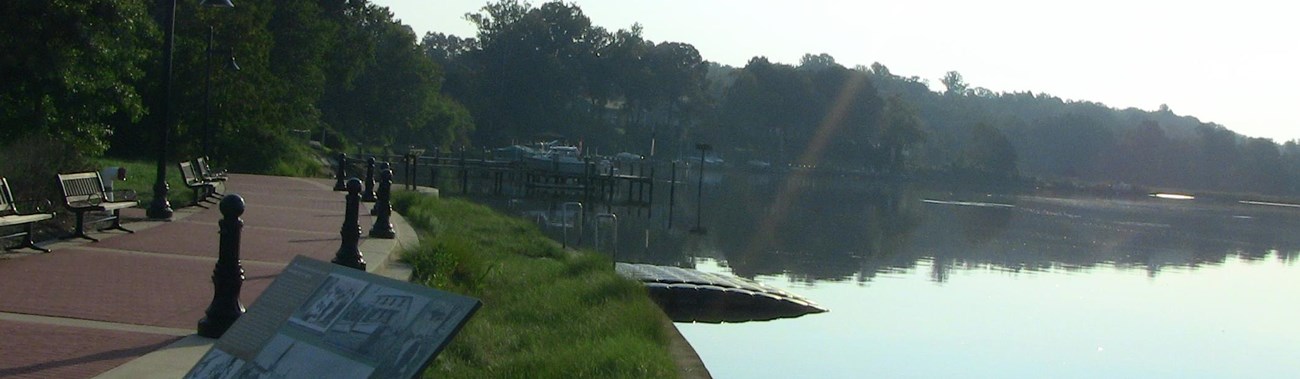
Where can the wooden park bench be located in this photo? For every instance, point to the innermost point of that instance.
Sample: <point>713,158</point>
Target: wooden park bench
<point>11,215</point>
<point>84,192</point>
<point>203,189</point>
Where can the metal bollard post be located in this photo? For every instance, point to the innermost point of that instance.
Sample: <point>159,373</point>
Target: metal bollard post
<point>349,253</point>
<point>565,221</point>
<point>613,219</point>
<point>374,209</point>
<point>228,276</point>
<point>368,195</point>
<point>338,183</point>
<point>411,169</point>
<point>383,210</point>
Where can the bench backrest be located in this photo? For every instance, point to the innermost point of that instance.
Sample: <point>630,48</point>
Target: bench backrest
<point>188,174</point>
<point>201,165</point>
<point>82,187</point>
<point>6,198</point>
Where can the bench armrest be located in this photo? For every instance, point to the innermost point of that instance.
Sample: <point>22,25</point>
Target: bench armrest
<point>34,206</point>
<point>122,195</point>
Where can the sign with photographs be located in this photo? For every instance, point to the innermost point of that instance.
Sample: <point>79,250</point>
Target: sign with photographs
<point>320,320</point>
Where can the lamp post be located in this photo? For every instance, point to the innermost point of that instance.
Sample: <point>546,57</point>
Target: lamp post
<point>207,95</point>
<point>160,208</point>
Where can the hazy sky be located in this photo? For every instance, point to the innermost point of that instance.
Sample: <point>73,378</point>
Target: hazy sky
<point>1236,63</point>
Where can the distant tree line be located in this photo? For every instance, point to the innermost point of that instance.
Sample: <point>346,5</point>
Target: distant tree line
<point>546,72</point>
<point>88,73</point>
<point>1087,141</point>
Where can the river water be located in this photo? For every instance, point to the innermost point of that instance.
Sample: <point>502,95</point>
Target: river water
<point>927,283</point>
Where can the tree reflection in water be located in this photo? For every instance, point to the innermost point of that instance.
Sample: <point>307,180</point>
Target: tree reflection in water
<point>845,228</point>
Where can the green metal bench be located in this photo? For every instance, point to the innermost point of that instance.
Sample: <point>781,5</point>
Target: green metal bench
<point>12,215</point>
<point>83,192</point>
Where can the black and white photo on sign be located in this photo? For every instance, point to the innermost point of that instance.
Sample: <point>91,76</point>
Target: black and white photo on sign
<point>418,341</point>
<point>285,357</point>
<point>216,364</point>
<point>328,302</point>
<point>375,321</point>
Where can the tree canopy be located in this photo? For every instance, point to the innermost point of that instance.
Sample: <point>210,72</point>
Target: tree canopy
<point>88,73</point>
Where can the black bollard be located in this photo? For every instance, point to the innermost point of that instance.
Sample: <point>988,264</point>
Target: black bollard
<point>338,183</point>
<point>383,210</point>
<point>228,276</point>
<point>374,209</point>
<point>368,195</point>
<point>415,171</point>
<point>406,170</point>
<point>349,253</point>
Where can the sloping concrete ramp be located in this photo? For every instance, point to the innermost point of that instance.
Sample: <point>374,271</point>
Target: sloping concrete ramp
<point>688,295</point>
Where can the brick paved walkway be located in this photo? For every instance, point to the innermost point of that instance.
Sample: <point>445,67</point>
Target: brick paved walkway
<point>86,308</point>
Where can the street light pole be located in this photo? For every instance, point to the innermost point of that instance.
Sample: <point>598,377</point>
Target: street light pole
<point>207,95</point>
<point>160,208</point>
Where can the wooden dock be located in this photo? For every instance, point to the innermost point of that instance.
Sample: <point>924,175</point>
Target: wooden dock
<point>630,183</point>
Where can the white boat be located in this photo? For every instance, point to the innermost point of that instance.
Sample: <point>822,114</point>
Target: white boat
<point>552,156</point>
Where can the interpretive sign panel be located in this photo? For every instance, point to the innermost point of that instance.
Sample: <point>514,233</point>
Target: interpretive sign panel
<point>321,320</point>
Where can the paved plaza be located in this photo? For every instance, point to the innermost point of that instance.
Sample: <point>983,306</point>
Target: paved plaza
<point>128,306</point>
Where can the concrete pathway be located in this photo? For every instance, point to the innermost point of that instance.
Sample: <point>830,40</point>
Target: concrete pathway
<point>128,306</point>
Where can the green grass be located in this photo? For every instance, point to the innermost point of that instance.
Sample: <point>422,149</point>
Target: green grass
<point>141,178</point>
<point>299,160</point>
<point>546,312</point>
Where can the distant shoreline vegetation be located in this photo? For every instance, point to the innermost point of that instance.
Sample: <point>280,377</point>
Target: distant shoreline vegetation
<point>623,93</point>
<point>350,77</point>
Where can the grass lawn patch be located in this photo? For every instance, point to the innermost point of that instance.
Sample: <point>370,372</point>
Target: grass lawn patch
<point>141,177</point>
<point>546,312</point>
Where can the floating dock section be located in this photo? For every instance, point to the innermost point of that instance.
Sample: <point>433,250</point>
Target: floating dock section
<point>688,295</point>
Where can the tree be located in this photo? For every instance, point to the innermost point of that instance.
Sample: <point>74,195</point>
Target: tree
<point>1261,166</point>
<point>901,129</point>
<point>67,67</point>
<point>817,62</point>
<point>954,84</point>
<point>531,63</point>
<point>990,152</point>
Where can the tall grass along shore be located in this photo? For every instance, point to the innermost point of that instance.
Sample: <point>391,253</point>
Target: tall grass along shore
<point>546,312</point>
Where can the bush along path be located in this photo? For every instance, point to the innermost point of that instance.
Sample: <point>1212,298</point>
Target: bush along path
<point>546,312</point>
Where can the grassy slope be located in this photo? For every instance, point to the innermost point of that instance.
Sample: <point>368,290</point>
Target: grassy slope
<point>546,313</point>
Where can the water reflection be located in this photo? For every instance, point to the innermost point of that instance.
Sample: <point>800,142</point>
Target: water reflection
<point>815,229</point>
<point>939,283</point>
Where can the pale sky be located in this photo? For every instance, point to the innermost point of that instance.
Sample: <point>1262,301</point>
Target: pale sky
<point>1234,63</point>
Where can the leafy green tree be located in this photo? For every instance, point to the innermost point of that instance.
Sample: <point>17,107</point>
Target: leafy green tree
<point>1217,156</point>
<point>900,130</point>
<point>530,64</point>
<point>68,67</point>
<point>990,152</point>
<point>954,84</point>
<point>817,62</point>
<point>761,106</point>
<point>1069,145</point>
<point>1261,167</point>
<point>1143,154</point>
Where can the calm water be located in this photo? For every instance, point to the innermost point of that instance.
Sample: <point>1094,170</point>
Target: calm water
<point>925,283</point>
